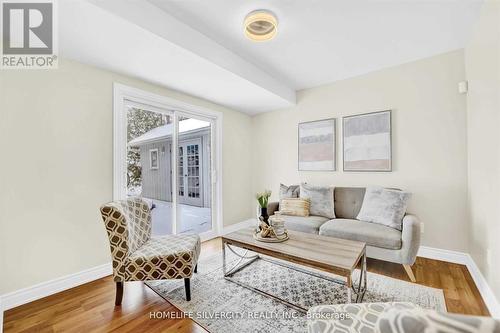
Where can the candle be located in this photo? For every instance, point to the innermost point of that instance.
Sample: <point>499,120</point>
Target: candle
<point>278,225</point>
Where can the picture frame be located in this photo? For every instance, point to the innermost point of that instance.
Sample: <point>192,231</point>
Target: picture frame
<point>367,142</point>
<point>154,159</point>
<point>317,145</point>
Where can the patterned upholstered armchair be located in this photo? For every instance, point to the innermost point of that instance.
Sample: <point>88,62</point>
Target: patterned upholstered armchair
<point>139,257</point>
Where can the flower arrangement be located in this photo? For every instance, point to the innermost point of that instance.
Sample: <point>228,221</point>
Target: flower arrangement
<point>263,198</point>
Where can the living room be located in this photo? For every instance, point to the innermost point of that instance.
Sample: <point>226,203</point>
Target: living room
<point>220,166</point>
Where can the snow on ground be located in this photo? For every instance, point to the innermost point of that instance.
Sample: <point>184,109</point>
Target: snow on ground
<point>192,219</point>
<point>134,191</point>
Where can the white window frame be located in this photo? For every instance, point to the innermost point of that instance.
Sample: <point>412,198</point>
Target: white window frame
<point>126,95</point>
<point>151,166</point>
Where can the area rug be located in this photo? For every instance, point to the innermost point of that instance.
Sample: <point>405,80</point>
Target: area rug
<point>222,306</point>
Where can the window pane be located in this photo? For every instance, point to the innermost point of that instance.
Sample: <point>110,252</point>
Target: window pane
<point>195,191</point>
<point>148,164</point>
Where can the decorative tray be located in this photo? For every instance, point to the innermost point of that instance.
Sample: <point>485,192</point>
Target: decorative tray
<point>279,239</point>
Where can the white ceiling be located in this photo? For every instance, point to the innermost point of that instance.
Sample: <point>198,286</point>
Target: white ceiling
<point>198,47</point>
<point>135,38</point>
<point>321,41</point>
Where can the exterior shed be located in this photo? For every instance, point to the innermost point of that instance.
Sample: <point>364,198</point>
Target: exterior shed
<point>193,163</point>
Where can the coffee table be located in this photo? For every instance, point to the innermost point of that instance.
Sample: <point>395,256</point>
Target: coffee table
<point>332,255</point>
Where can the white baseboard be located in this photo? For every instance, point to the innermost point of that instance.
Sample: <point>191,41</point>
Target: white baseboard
<point>26,295</point>
<point>29,294</point>
<point>465,259</point>
<point>234,227</point>
<point>44,289</point>
<point>443,255</point>
<point>484,288</point>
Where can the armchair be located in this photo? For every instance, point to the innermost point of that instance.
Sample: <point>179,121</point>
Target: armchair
<point>137,256</point>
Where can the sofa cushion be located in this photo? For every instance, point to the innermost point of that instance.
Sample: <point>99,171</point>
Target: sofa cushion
<point>294,207</point>
<point>370,233</point>
<point>308,224</point>
<point>348,201</point>
<point>291,191</point>
<point>384,206</point>
<point>321,199</point>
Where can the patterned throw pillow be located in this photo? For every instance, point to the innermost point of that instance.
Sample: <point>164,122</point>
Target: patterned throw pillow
<point>294,207</point>
<point>395,320</point>
<point>349,318</point>
<point>291,191</point>
<point>384,206</point>
<point>321,198</point>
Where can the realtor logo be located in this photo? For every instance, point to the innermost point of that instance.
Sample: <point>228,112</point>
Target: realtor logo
<point>28,35</point>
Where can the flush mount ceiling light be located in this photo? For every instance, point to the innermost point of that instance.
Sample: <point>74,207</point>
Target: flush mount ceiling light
<point>260,25</point>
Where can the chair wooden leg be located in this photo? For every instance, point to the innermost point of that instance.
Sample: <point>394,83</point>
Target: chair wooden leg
<point>196,268</point>
<point>119,293</point>
<point>187,286</point>
<point>409,271</point>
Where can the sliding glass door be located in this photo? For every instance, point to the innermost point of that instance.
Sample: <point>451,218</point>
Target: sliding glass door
<point>149,138</point>
<point>194,188</point>
<point>168,149</point>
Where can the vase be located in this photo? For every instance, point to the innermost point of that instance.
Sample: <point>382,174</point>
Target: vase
<point>263,215</point>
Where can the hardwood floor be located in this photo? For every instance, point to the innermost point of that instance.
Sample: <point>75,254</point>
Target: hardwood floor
<point>91,307</point>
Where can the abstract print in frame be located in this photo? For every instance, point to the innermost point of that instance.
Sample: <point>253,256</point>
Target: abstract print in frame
<point>367,142</point>
<point>317,141</point>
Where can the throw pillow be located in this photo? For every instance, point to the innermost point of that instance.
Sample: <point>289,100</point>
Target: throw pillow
<point>294,207</point>
<point>384,206</point>
<point>418,320</point>
<point>321,198</point>
<point>291,191</point>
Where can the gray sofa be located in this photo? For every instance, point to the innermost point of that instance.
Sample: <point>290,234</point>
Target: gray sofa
<point>383,242</point>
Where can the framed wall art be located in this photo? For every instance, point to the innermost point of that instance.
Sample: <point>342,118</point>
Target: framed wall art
<point>317,145</point>
<point>367,142</point>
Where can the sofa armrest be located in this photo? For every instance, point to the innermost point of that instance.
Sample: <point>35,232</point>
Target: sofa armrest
<point>272,207</point>
<point>410,237</point>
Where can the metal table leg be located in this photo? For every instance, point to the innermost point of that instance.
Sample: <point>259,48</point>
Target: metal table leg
<point>360,293</point>
<point>349,289</point>
<point>224,258</point>
<point>236,267</point>
<point>359,290</point>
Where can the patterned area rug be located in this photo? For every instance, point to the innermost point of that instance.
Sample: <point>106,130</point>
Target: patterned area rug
<point>222,306</point>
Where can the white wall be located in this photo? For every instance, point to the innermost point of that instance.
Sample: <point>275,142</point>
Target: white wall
<point>56,142</point>
<point>56,136</point>
<point>429,140</point>
<point>482,63</point>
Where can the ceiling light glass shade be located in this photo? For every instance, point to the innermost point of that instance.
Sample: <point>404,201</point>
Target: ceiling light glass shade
<point>260,25</point>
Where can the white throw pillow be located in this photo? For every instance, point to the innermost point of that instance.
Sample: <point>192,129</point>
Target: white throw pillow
<point>321,198</point>
<point>384,206</point>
